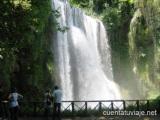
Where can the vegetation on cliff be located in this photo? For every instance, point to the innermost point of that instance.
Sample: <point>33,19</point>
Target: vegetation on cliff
<point>24,45</point>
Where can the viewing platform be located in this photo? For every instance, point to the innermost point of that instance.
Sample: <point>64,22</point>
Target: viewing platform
<point>91,110</point>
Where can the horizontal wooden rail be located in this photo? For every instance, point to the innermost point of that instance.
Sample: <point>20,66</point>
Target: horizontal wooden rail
<point>36,108</point>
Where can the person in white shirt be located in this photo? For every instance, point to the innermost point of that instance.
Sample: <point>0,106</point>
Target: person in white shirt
<point>13,103</point>
<point>57,96</point>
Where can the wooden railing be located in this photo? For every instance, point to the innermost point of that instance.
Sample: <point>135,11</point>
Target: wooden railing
<point>112,105</point>
<point>80,108</point>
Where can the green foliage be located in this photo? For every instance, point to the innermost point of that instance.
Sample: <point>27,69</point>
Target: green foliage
<point>25,44</point>
<point>82,3</point>
<point>144,44</point>
<point>112,18</point>
<point>130,1</point>
<point>56,25</point>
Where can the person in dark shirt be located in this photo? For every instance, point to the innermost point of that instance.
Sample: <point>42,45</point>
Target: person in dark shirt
<point>47,103</point>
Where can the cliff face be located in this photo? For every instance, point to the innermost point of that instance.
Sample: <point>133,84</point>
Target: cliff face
<point>144,45</point>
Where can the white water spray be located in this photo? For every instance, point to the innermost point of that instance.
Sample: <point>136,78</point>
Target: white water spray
<point>83,56</point>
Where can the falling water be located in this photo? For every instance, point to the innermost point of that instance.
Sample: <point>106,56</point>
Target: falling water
<point>83,56</point>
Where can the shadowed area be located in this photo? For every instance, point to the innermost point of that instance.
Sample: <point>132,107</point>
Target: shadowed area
<point>101,118</point>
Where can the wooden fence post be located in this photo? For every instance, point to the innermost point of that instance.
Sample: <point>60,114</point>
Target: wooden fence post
<point>148,105</point>
<point>137,103</point>
<point>86,107</point>
<point>159,107</point>
<point>112,105</point>
<point>124,105</point>
<point>100,106</point>
<point>73,110</point>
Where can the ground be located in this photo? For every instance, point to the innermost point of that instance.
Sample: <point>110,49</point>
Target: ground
<point>101,118</point>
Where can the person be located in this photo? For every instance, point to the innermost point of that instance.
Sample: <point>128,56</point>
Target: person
<point>47,103</point>
<point>13,97</point>
<point>57,96</point>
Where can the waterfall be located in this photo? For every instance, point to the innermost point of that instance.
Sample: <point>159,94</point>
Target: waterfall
<point>82,55</point>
